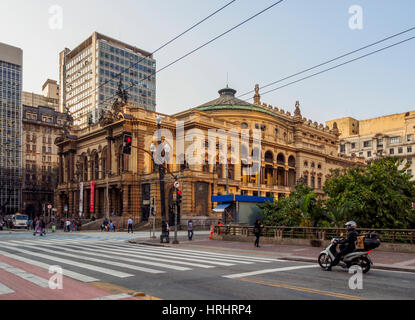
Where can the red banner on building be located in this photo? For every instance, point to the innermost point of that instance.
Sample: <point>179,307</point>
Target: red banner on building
<point>92,207</point>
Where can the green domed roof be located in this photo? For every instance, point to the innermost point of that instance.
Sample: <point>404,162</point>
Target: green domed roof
<point>226,98</point>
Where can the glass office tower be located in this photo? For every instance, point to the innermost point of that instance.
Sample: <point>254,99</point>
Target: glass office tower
<point>11,61</point>
<point>89,77</point>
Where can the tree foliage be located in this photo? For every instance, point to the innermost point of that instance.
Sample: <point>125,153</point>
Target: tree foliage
<point>301,208</point>
<point>377,196</point>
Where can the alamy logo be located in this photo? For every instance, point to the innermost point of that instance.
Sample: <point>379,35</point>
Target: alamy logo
<point>56,281</point>
<point>356,281</point>
<point>356,20</point>
<point>56,18</point>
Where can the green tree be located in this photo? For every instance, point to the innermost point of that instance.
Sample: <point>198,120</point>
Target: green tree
<point>302,208</point>
<point>379,195</point>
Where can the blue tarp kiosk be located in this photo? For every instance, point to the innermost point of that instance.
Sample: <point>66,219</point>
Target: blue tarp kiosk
<point>238,209</point>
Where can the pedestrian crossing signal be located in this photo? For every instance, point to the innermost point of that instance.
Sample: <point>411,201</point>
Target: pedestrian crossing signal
<point>127,143</point>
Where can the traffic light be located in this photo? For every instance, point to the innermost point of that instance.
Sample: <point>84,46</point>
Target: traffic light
<point>179,197</point>
<point>127,143</point>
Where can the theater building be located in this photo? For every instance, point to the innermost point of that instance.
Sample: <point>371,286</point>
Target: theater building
<point>96,178</point>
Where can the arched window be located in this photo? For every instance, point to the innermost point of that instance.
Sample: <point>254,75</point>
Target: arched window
<point>269,157</point>
<point>85,168</point>
<point>281,159</point>
<point>95,166</point>
<point>291,161</point>
<point>104,162</point>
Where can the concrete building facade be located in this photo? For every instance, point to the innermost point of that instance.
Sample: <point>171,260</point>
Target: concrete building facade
<point>41,126</point>
<point>94,170</point>
<point>390,135</point>
<point>48,98</point>
<point>88,77</point>
<point>11,69</point>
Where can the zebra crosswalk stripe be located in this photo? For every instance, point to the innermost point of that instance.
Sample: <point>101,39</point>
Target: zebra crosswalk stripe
<point>112,263</point>
<point>96,254</point>
<point>225,255</point>
<point>182,256</point>
<point>168,253</point>
<point>5,290</point>
<point>129,253</point>
<point>25,275</point>
<point>227,259</point>
<point>67,273</point>
<point>111,272</point>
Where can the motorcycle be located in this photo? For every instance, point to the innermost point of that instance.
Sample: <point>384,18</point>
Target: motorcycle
<point>359,257</point>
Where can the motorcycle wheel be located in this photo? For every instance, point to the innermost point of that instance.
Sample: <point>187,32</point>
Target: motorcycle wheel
<point>324,260</point>
<point>364,263</point>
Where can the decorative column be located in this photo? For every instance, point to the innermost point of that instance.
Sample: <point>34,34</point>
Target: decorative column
<point>285,177</point>
<point>60,168</point>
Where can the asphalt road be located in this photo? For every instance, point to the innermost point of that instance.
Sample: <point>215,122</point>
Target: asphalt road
<point>183,273</point>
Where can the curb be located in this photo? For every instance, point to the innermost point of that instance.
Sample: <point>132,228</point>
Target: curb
<point>148,243</point>
<point>376,266</point>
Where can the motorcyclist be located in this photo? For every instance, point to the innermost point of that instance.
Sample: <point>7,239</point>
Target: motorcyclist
<point>347,245</point>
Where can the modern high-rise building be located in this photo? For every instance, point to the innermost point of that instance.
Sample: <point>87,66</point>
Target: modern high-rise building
<point>88,77</point>
<point>11,64</point>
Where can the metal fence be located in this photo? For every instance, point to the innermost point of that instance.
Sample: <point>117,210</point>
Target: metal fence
<point>386,235</point>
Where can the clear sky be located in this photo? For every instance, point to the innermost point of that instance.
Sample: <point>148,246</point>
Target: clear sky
<point>288,38</point>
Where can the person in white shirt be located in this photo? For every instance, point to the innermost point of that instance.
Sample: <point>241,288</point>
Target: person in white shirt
<point>130,225</point>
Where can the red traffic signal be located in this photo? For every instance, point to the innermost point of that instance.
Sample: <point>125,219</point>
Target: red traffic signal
<point>179,193</point>
<point>127,142</point>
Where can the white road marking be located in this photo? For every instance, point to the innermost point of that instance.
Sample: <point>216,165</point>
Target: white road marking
<point>94,253</point>
<point>67,273</point>
<point>183,256</point>
<point>112,263</point>
<point>129,253</point>
<point>405,263</point>
<point>111,272</point>
<point>5,290</point>
<point>253,273</point>
<point>114,297</point>
<point>218,255</point>
<point>41,282</point>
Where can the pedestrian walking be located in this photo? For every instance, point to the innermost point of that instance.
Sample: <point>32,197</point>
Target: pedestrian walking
<point>257,231</point>
<point>43,227</point>
<point>68,225</point>
<point>111,226</point>
<point>190,230</point>
<point>130,225</point>
<point>37,228</point>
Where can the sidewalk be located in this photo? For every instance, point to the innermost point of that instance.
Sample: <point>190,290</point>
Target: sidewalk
<point>393,261</point>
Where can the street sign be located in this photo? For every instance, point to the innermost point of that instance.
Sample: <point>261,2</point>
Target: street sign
<point>65,208</point>
<point>177,185</point>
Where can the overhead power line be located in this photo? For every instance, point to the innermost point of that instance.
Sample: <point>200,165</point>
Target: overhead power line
<point>337,66</point>
<point>118,75</point>
<point>329,61</point>
<point>202,46</point>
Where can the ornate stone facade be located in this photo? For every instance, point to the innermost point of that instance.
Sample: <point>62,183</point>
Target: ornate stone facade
<point>292,148</point>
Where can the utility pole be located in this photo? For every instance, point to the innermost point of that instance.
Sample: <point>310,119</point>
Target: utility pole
<point>161,174</point>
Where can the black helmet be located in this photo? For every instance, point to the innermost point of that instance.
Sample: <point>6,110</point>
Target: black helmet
<point>351,225</point>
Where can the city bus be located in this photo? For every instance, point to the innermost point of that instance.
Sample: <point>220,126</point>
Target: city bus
<point>19,220</point>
